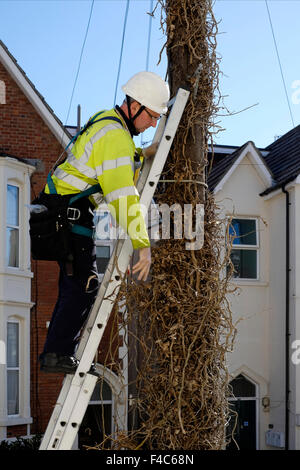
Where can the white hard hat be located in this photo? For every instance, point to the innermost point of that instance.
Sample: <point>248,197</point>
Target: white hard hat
<point>150,90</point>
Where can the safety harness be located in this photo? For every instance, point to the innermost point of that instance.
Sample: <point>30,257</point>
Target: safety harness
<point>50,229</point>
<point>74,213</point>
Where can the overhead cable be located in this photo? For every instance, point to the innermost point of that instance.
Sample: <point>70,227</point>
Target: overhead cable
<point>281,71</point>
<point>80,59</point>
<point>148,50</point>
<point>149,35</point>
<point>121,51</point>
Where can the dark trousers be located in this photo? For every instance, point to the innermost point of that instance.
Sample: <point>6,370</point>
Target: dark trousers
<point>76,296</point>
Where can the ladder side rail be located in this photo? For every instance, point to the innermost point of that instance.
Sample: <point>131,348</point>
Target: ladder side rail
<point>149,161</point>
<point>54,430</point>
<point>68,379</point>
<point>165,145</point>
<point>102,312</point>
<point>56,411</point>
<point>70,405</point>
<point>58,424</point>
<point>109,292</point>
<point>78,412</point>
<point>70,414</point>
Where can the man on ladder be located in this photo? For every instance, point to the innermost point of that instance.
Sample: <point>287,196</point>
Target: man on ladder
<point>103,154</point>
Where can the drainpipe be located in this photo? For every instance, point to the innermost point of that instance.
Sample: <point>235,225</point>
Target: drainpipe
<point>287,316</point>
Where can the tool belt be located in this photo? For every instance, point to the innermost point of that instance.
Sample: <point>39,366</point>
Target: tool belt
<point>50,230</point>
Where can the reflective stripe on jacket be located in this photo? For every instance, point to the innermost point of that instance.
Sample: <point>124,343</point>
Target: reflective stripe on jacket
<point>105,154</point>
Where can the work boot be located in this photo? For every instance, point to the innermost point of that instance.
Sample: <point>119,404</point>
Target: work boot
<point>56,363</point>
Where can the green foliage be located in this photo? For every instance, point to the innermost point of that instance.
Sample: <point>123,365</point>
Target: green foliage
<point>22,443</point>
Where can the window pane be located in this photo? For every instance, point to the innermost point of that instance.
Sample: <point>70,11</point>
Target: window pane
<point>12,205</point>
<point>243,231</point>
<point>101,392</point>
<point>245,263</point>
<point>96,425</point>
<point>12,247</point>
<point>12,344</point>
<point>102,224</point>
<point>242,387</point>
<point>103,256</point>
<point>12,392</point>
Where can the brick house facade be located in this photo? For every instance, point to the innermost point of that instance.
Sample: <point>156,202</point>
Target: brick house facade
<point>31,139</point>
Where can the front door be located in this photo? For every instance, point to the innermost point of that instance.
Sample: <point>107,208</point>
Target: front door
<point>242,426</point>
<point>243,418</point>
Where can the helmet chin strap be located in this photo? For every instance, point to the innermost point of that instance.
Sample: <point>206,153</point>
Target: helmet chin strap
<point>132,118</point>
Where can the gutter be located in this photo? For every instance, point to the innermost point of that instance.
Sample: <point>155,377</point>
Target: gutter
<point>280,185</point>
<point>287,316</point>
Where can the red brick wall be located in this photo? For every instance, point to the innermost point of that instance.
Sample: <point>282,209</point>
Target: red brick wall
<point>24,134</point>
<point>17,431</point>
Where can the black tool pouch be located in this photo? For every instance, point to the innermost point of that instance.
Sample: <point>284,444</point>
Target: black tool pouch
<point>50,230</point>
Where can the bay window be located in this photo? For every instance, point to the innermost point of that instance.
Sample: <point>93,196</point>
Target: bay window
<point>15,295</point>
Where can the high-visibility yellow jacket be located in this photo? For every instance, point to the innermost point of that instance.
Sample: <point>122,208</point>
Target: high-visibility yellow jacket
<point>104,154</point>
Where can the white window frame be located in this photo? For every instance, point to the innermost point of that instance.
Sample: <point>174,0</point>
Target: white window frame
<point>14,415</point>
<point>17,227</point>
<point>103,209</point>
<point>249,248</point>
<point>17,174</point>
<point>16,314</point>
<point>109,242</point>
<point>119,389</point>
<point>22,317</point>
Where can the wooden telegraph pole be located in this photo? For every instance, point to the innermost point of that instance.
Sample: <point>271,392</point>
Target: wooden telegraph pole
<point>183,313</point>
<point>191,30</point>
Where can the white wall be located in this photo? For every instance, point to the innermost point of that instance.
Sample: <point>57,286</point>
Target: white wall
<point>277,217</point>
<point>251,305</point>
<point>294,359</point>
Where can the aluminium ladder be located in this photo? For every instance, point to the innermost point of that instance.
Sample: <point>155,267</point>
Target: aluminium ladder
<point>77,389</point>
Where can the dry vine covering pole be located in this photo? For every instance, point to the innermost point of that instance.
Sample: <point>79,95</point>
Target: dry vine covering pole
<point>183,317</point>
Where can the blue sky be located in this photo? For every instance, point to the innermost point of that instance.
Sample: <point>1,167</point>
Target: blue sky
<point>46,36</point>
